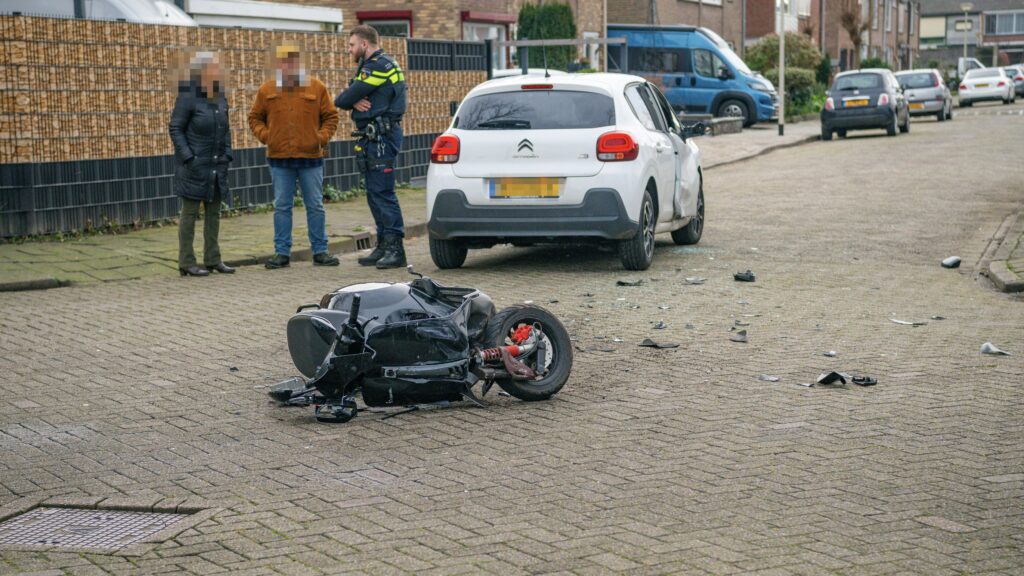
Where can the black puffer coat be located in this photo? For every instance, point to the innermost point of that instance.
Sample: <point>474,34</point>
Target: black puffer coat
<point>202,144</point>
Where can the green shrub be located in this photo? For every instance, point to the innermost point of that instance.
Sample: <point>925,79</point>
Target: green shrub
<point>800,53</point>
<point>824,72</point>
<point>873,63</point>
<point>800,84</point>
<point>547,22</point>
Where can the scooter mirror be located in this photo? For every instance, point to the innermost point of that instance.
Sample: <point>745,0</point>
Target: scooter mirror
<point>412,271</point>
<point>324,329</point>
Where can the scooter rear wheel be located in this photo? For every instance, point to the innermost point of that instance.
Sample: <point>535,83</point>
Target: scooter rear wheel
<point>557,357</point>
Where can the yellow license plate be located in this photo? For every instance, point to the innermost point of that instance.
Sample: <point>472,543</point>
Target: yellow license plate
<point>981,85</point>
<point>916,105</point>
<point>526,187</point>
<point>855,103</point>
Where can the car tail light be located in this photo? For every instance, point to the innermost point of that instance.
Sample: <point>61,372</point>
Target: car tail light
<point>963,86</point>
<point>830,104</point>
<point>538,86</point>
<point>883,100</point>
<point>1001,84</point>
<point>1019,77</point>
<point>445,149</point>
<point>616,147</point>
<point>937,82</point>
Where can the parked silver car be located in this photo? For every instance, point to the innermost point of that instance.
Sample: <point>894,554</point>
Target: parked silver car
<point>926,93</point>
<point>1016,73</point>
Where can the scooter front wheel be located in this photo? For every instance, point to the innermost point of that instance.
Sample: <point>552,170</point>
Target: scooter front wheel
<point>556,363</point>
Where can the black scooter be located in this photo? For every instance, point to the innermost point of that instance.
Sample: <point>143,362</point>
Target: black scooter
<point>419,342</point>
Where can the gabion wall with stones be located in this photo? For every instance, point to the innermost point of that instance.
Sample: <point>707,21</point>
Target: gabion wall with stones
<point>85,105</point>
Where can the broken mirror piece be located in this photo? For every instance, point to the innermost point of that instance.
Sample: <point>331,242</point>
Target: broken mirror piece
<point>905,323</point>
<point>648,343</point>
<point>863,380</point>
<point>695,280</point>
<point>951,262</point>
<point>741,323</point>
<point>832,378</point>
<point>660,325</point>
<point>740,336</point>
<point>831,354</point>
<point>806,384</point>
<point>747,276</point>
<point>990,348</point>
<point>629,282</point>
<point>768,378</point>
<point>938,317</point>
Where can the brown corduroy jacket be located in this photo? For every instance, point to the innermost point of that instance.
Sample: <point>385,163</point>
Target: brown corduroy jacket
<point>294,122</point>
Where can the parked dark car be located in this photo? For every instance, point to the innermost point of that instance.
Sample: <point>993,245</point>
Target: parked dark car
<point>863,100</point>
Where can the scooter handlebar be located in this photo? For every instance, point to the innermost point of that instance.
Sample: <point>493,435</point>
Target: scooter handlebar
<point>353,312</point>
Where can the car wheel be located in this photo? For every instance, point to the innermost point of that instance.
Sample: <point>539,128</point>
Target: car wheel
<point>735,109</point>
<point>690,234</point>
<point>906,125</point>
<point>891,129</point>
<point>448,254</point>
<point>638,252</point>
<point>841,133</point>
<point>941,116</point>
<point>949,115</point>
<point>826,134</point>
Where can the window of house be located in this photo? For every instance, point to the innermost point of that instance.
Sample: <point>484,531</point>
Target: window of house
<point>479,31</point>
<point>803,7</point>
<point>913,13</point>
<point>874,15</point>
<point>401,28</point>
<point>902,19</point>
<point>888,16</point>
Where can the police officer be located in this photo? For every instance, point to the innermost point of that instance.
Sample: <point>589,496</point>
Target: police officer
<point>376,97</point>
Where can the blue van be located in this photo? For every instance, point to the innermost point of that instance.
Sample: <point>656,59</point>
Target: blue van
<point>696,70</point>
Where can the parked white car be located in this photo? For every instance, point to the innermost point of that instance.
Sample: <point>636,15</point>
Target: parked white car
<point>580,157</point>
<point>986,84</point>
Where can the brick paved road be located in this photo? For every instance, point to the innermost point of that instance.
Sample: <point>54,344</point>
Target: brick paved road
<point>649,462</point>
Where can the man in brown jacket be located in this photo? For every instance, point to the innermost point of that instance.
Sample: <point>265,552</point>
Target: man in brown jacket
<point>295,117</point>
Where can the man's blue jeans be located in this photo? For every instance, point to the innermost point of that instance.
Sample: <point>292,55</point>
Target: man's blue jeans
<point>311,181</point>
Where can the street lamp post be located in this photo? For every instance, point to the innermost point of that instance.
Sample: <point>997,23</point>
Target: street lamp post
<point>966,7</point>
<point>782,68</point>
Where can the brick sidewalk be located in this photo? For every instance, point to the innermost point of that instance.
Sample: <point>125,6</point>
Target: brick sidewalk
<point>248,239</point>
<point>1006,270</point>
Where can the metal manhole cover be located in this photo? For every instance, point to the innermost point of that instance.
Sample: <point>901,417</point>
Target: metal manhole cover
<point>84,528</point>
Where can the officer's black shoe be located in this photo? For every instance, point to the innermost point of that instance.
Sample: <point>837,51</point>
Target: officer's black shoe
<point>394,254</point>
<point>371,258</point>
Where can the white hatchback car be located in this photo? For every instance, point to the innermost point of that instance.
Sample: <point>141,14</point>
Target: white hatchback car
<point>986,84</point>
<point>595,157</point>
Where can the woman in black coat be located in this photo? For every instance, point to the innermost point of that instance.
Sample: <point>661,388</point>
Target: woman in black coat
<point>202,147</point>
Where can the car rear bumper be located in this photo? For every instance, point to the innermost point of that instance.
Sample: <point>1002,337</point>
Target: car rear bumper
<point>929,107</point>
<point>601,214</point>
<point>868,117</point>
<point>981,94</point>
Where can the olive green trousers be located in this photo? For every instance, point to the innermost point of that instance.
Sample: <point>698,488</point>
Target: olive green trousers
<point>187,231</point>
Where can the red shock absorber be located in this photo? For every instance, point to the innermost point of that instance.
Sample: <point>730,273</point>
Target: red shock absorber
<point>494,354</point>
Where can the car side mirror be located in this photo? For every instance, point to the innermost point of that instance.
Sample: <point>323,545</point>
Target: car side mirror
<point>724,73</point>
<point>695,129</point>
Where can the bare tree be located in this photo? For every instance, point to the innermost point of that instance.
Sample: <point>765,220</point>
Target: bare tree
<point>851,21</point>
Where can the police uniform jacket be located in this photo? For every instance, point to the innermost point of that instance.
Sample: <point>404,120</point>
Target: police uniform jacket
<point>380,80</point>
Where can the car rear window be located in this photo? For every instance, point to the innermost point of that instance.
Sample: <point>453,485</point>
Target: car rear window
<point>917,80</point>
<point>536,110</point>
<point>858,82</point>
<point>983,73</point>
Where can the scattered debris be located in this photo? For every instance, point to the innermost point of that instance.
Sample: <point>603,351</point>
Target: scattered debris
<point>768,378</point>
<point>938,317</point>
<point>663,307</point>
<point>552,301</point>
<point>832,377</point>
<point>629,282</point>
<point>831,354</point>
<point>689,326</point>
<point>400,412</point>
<point>905,323</point>
<point>951,262</point>
<point>233,369</point>
<point>743,302</point>
<point>741,323</point>
<point>864,381</point>
<point>588,295</point>
<point>617,340</point>
<point>740,336</point>
<point>527,302</point>
<point>695,280</point>
<point>806,384</point>
<point>660,325</point>
<point>747,276</point>
<point>648,343</point>
<point>990,348</point>
<point>504,394</point>
<point>603,349</point>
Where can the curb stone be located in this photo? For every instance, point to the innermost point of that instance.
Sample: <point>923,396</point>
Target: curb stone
<point>1010,251</point>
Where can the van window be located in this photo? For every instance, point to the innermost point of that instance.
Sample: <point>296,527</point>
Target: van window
<point>707,63</point>
<point>536,110</point>
<point>636,102</point>
<point>672,60</point>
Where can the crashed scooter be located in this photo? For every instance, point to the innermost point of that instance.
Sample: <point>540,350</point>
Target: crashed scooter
<point>419,342</point>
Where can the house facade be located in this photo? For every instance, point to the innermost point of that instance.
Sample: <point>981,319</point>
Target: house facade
<point>990,30</point>
<point>724,17</point>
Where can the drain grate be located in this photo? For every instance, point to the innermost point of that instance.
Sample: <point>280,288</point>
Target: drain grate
<point>83,528</point>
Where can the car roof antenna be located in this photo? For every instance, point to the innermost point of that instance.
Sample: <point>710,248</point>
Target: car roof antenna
<point>544,50</point>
